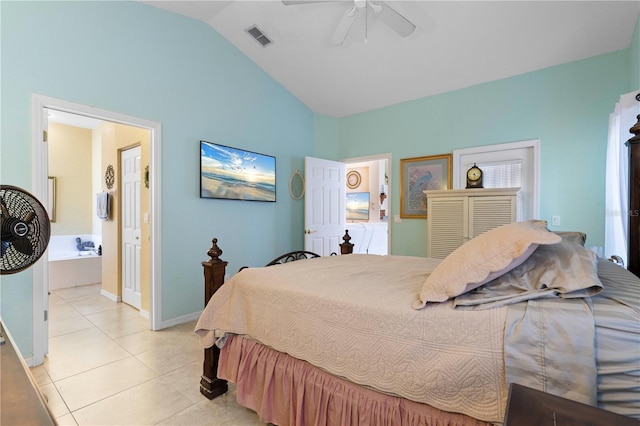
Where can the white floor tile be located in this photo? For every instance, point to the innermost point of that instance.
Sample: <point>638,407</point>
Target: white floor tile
<point>106,367</point>
<point>103,382</point>
<point>66,420</point>
<point>81,351</point>
<point>92,303</point>
<point>145,404</point>
<point>185,379</point>
<point>74,292</point>
<point>223,409</point>
<point>147,340</point>
<point>40,375</point>
<point>54,401</point>
<point>166,358</point>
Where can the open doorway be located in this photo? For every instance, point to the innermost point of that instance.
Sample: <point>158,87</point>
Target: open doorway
<point>40,107</point>
<point>369,184</point>
<point>80,149</point>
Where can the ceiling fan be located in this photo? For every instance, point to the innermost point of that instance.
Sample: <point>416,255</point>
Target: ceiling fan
<point>398,23</point>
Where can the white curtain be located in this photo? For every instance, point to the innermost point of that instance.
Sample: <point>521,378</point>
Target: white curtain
<point>617,176</point>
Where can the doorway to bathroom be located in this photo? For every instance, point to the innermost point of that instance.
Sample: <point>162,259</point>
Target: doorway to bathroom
<point>112,123</point>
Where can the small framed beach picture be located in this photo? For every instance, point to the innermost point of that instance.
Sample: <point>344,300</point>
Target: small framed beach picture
<point>236,174</point>
<point>420,174</point>
<point>357,206</point>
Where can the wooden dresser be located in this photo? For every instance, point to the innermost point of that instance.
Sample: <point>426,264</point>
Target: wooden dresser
<point>21,402</point>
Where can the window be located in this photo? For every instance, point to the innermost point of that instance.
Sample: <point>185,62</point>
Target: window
<point>617,177</point>
<point>508,165</point>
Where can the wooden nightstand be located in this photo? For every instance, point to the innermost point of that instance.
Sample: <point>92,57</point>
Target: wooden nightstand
<point>530,407</point>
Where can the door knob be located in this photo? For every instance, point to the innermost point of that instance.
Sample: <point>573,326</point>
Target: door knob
<point>309,231</point>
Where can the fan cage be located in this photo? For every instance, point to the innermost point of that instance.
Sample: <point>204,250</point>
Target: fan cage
<point>20,204</point>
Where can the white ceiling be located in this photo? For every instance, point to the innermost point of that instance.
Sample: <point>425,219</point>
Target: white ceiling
<point>456,44</point>
<point>75,120</point>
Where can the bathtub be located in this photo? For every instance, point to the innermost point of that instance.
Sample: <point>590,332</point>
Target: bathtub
<point>369,237</point>
<point>69,267</point>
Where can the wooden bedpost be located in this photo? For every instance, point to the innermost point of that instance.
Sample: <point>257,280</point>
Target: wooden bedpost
<point>346,247</point>
<point>214,271</point>
<point>633,260</point>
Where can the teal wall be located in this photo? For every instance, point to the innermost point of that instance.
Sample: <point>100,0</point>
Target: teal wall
<point>148,63</point>
<point>566,107</point>
<point>141,61</point>
<point>634,52</point>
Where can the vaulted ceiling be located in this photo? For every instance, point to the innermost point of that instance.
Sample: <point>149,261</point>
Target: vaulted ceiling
<point>455,44</point>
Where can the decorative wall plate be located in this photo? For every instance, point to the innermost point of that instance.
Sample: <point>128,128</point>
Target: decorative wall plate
<point>353,179</point>
<point>109,177</point>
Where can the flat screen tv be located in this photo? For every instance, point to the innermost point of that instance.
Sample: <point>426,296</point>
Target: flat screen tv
<point>357,206</point>
<point>236,174</point>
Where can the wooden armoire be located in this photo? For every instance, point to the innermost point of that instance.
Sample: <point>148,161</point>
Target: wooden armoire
<point>634,198</point>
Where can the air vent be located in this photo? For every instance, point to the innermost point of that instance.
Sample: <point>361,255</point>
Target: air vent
<point>259,36</point>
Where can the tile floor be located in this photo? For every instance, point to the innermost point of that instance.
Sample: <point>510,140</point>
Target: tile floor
<point>105,367</point>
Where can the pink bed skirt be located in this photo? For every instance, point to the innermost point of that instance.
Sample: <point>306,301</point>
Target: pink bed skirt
<point>287,391</point>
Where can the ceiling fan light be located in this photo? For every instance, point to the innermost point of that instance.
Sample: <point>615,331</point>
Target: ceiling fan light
<point>375,7</point>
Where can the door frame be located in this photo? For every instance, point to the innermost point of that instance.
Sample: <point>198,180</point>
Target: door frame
<point>39,177</point>
<point>378,157</point>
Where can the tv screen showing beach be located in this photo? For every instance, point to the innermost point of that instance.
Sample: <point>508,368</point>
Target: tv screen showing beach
<point>236,174</point>
<point>357,206</point>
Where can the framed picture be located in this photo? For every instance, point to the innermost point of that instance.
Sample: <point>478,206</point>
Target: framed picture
<point>420,174</point>
<point>357,206</point>
<point>236,174</point>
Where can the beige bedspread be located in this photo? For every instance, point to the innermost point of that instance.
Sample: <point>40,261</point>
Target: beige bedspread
<point>362,327</point>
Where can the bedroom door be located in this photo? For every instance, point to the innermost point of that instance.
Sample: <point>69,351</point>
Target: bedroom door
<point>324,205</point>
<point>131,243</point>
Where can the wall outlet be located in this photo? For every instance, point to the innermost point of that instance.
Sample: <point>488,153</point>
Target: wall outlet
<point>555,220</point>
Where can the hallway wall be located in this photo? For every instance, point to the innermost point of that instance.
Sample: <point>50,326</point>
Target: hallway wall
<point>114,138</point>
<point>70,153</point>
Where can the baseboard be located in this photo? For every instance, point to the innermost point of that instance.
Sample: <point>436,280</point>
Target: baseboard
<point>180,320</point>
<point>110,296</point>
<point>144,314</point>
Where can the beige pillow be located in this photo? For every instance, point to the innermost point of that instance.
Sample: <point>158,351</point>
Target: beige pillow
<point>483,259</point>
<point>574,236</point>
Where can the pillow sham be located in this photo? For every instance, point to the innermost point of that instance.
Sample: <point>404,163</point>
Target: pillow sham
<point>483,259</point>
<point>566,270</point>
<point>573,236</point>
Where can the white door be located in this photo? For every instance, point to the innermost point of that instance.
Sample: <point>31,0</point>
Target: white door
<point>44,264</point>
<point>131,176</point>
<point>324,206</point>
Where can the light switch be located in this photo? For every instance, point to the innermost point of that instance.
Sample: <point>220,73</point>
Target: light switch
<point>145,218</point>
<point>555,220</point>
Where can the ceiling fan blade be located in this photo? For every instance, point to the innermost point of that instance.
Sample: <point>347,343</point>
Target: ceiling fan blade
<point>344,26</point>
<point>393,19</point>
<point>295,2</point>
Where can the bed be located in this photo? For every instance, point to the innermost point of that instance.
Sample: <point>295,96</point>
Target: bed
<point>366,339</point>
